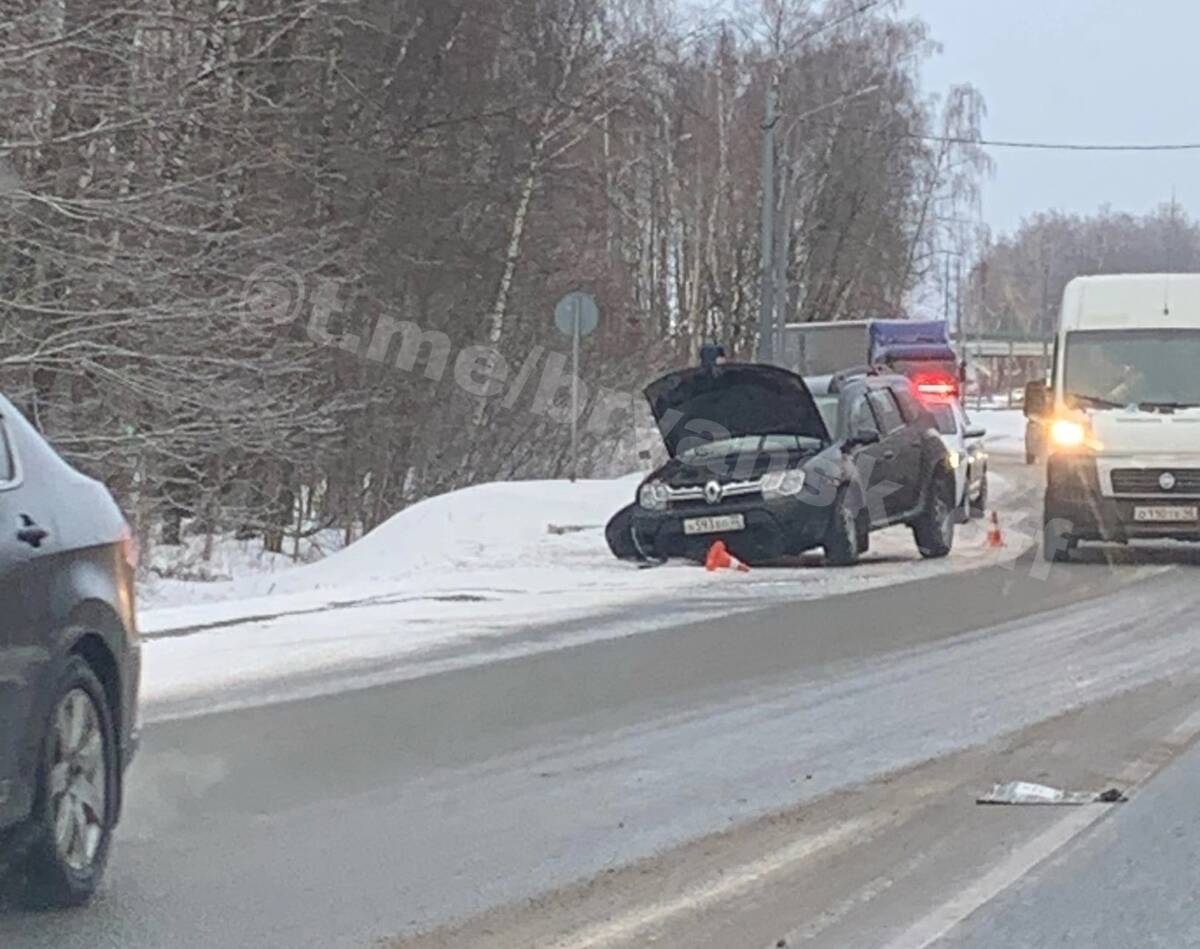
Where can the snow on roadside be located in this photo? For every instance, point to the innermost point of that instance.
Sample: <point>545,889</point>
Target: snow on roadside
<point>1005,429</point>
<point>470,568</point>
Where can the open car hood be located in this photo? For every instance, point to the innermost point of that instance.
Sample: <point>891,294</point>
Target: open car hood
<point>733,400</point>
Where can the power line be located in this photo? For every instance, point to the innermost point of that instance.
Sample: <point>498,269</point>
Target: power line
<point>1016,143</point>
<point>1051,146</point>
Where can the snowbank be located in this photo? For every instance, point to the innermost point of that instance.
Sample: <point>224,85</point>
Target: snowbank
<point>1005,429</point>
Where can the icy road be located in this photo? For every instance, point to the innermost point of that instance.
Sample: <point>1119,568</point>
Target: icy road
<point>800,772</point>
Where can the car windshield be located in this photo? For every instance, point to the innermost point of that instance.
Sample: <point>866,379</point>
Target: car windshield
<point>749,444</point>
<point>1116,368</point>
<point>827,405</point>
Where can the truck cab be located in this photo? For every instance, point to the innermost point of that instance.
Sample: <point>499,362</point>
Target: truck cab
<point>1121,413</point>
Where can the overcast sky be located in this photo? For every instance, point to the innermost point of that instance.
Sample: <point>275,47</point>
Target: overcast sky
<point>1088,71</point>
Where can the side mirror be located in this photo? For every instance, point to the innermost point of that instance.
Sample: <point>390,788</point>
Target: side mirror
<point>975,431</point>
<point>1037,399</point>
<point>861,438</point>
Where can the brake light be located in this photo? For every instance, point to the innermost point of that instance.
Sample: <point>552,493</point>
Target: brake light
<point>936,385</point>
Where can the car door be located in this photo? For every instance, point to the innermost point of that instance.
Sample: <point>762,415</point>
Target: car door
<point>899,453</point>
<point>14,682</point>
<point>24,611</point>
<point>860,419</point>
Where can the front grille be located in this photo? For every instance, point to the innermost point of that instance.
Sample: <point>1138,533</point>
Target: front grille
<point>1148,481</point>
<point>693,496</point>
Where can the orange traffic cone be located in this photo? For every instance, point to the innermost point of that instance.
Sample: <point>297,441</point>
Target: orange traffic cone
<point>719,558</point>
<point>995,537</point>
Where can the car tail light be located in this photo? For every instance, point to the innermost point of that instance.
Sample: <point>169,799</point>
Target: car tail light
<point>936,385</point>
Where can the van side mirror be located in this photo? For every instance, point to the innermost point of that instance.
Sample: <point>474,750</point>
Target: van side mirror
<point>1037,399</point>
<point>975,431</point>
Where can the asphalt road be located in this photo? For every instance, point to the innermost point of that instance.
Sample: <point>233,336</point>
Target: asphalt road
<point>1131,882</point>
<point>349,819</point>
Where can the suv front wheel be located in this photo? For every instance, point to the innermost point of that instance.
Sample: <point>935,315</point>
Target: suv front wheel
<point>78,790</point>
<point>844,542</point>
<point>934,529</point>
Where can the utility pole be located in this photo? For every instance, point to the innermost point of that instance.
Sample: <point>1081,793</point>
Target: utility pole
<point>766,255</point>
<point>958,307</point>
<point>946,293</point>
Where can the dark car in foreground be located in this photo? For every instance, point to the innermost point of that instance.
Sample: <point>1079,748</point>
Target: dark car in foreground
<point>761,462</point>
<point>69,669</point>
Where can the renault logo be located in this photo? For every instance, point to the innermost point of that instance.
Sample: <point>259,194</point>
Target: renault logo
<point>713,492</point>
<point>1166,481</point>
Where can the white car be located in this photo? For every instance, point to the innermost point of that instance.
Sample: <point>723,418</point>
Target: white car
<point>968,454</point>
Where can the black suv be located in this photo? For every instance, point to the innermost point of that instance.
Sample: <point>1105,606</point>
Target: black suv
<point>69,668</point>
<point>762,462</point>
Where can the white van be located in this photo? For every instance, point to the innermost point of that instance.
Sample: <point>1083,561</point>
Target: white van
<point>1122,412</point>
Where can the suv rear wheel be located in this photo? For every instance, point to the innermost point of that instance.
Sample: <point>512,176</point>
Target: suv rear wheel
<point>934,529</point>
<point>78,788</point>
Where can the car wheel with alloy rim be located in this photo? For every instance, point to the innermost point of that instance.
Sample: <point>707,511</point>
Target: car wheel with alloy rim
<point>78,791</point>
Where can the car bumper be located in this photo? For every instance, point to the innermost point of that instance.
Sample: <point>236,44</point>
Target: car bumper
<point>773,529</point>
<point>1075,500</point>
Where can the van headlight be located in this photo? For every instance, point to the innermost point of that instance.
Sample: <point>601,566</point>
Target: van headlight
<point>782,484</point>
<point>1068,433</point>
<point>653,496</point>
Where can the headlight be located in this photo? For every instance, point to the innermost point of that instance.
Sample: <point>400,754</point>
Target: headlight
<point>782,484</point>
<point>653,496</point>
<point>1067,433</point>
<point>954,458</point>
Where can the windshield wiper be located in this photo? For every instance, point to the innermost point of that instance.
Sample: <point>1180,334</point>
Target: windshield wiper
<point>1094,400</point>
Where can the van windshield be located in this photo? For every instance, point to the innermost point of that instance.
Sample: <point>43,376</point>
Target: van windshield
<point>1149,368</point>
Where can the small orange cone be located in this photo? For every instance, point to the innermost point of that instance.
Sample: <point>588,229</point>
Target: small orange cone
<point>995,537</point>
<point>719,558</point>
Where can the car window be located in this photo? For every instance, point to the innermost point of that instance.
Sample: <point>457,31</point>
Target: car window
<point>886,410</point>
<point>943,414</point>
<point>8,467</point>
<point>910,406</point>
<point>860,417</point>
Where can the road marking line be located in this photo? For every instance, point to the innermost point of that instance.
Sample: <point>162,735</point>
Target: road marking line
<point>728,885</point>
<point>943,919</point>
<point>937,924</point>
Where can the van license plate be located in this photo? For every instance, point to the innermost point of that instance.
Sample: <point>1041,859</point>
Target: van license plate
<point>1166,514</point>
<point>714,525</point>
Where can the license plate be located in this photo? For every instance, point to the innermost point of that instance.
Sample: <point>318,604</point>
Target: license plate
<point>714,525</point>
<point>1166,514</point>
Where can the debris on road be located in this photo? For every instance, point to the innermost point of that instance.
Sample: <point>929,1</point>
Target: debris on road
<point>559,530</point>
<point>1025,792</point>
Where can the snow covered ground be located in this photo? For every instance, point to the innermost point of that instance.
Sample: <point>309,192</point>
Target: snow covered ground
<point>1005,429</point>
<point>469,569</point>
